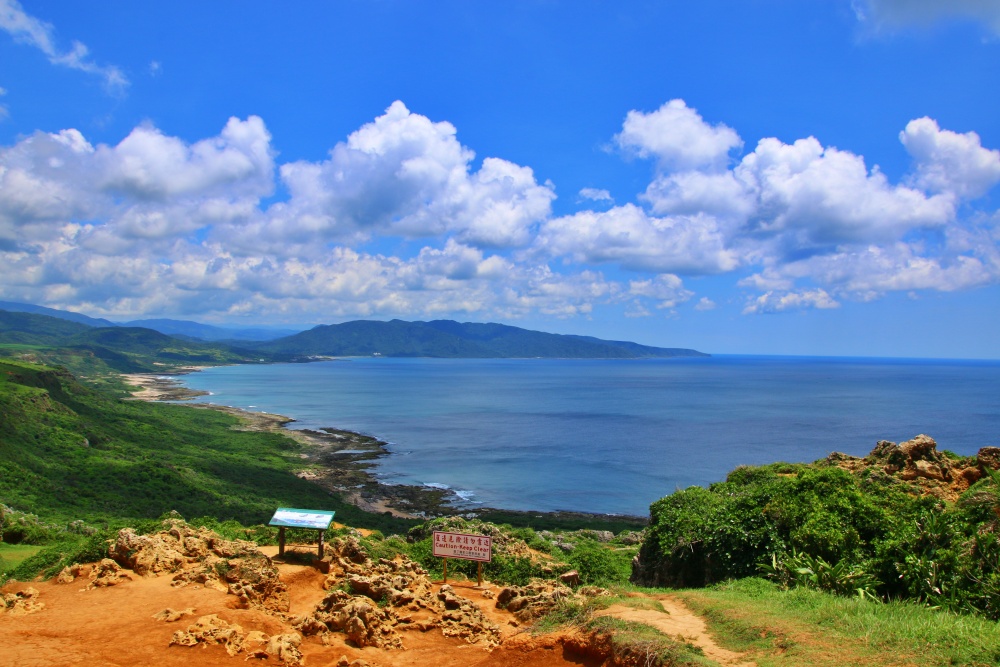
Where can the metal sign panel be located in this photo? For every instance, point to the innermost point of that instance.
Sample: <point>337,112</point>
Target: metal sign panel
<point>294,518</point>
<point>463,545</point>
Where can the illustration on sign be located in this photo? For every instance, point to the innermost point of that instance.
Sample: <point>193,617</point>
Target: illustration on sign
<point>293,518</point>
<point>462,545</point>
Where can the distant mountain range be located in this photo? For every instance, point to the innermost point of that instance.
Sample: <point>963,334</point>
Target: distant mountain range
<point>180,328</point>
<point>447,338</point>
<point>37,325</point>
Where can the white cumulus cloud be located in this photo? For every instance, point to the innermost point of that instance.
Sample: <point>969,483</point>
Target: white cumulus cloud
<point>772,302</point>
<point>406,175</point>
<point>678,137</point>
<point>629,237</point>
<point>950,162</point>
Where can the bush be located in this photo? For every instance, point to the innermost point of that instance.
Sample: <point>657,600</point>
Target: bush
<point>599,565</point>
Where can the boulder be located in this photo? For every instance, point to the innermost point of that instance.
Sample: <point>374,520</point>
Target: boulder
<point>989,458</point>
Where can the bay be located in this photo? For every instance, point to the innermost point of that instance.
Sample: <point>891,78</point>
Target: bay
<point>612,436</point>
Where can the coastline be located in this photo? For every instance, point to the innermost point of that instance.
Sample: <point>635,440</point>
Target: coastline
<point>340,462</point>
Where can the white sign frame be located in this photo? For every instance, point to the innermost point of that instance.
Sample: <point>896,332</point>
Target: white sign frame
<point>464,546</point>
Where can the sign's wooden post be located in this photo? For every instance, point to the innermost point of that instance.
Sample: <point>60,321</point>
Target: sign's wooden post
<point>467,547</point>
<point>321,543</point>
<point>281,541</point>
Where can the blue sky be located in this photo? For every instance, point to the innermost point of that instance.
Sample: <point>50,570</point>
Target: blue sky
<point>770,177</point>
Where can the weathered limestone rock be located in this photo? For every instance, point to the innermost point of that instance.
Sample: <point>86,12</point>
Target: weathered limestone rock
<point>213,630</point>
<point>169,615</point>
<point>357,616</point>
<point>71,572</point>
<point>989,457</point>
<point>382,599</point>
<point>532,601</point>
<point>21,603</point>
<point>107,573</point>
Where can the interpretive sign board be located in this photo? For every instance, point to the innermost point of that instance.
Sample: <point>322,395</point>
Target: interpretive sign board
<point>289,517</point>
<point>464,546</point>
<point>293,518</point>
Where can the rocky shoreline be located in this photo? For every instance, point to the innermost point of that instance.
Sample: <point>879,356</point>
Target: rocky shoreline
<point>341,461</point>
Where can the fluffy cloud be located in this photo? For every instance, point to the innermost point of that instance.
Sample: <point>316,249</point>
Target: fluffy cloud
<point>400,220</point>
<point>147,165</point>
<point>629,237</point>
<point>678,137</point>
<point>824,195</point>
<point>949,162</point>
<point>149,186</point>
<point>803,211</point>
<point>771,302</point>
<point>595,194</point>
<point>666,289</point>
<point>41,35</point>
<point>406,175</point>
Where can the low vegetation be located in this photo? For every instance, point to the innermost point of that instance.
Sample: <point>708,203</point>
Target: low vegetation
<point>804,626</point>
<point>864,533</point>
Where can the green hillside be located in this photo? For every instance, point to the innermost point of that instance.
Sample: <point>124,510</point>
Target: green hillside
<point>81,348</point>
<point>69,452</point>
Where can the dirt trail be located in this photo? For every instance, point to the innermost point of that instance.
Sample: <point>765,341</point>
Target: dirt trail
<point>678,621</point>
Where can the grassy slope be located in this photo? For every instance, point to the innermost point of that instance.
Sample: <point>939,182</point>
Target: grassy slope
<point>808,627</point>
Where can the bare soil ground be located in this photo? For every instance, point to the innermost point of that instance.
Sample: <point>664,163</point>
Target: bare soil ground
<point>116,626</point>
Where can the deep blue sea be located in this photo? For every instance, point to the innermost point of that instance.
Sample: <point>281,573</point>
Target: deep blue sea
<point>612,436</point>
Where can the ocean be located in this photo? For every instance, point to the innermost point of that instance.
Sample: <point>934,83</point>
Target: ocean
<point>612,436</point>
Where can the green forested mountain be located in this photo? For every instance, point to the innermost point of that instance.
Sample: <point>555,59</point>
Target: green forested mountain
<point>446,338</point>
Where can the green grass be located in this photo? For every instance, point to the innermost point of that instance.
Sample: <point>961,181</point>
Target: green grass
<point>11,555</point>
<point>808,627</point>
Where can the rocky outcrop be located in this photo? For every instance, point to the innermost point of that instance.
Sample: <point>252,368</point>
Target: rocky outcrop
<point>357,616</point>
<point>533,601</point>
<point>919,462</point>
<point>170,550</point>
<point>462,618</point>
<point>374,602</point>
<point>70,573</point>
<point>211,629</point>
<point>200,556</point>
<point>21,602</point>
<point>107,573</point>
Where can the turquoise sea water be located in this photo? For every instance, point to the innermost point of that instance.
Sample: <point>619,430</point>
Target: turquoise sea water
<point>612,436</point>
